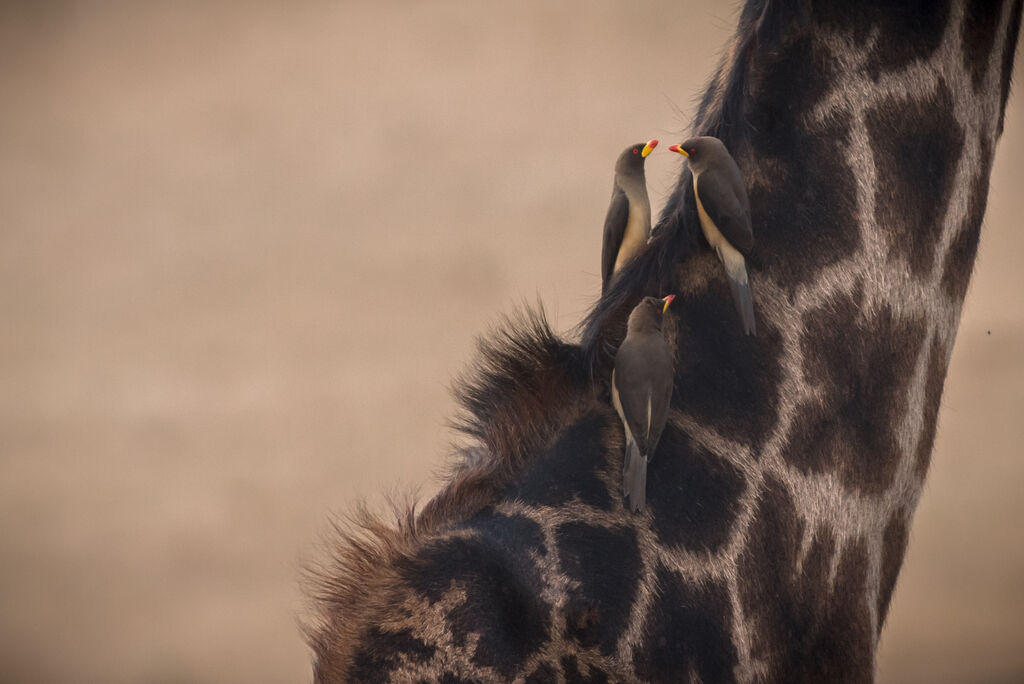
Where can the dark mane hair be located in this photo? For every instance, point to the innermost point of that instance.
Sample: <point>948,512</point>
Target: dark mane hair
<point>525,384</point>
<point>512,395</point>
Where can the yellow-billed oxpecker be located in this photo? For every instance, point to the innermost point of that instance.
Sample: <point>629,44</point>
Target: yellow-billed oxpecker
<point>628,222</point>
<point>724,211</point>
<point>642,383</point>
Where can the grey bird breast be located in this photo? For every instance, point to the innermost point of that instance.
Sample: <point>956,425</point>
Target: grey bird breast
<point>638,229</point>
<point>626,229</point>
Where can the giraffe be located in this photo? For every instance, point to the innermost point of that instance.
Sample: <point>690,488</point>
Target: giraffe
<point>783,489</point>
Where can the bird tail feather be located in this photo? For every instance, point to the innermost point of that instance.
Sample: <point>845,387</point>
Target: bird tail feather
<point>635,481</point>
<point>739,283</point>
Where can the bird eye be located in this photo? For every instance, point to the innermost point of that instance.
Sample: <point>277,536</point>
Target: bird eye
<point>636,150</point>
<point>693,150</point>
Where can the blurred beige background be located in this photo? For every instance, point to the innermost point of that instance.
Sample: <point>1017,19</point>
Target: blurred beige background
<point>244,248</point>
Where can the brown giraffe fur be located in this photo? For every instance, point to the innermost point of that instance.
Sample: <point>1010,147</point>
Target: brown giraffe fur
<point>782,492</point>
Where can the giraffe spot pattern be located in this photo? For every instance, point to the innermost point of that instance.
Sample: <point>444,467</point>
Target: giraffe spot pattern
<point>977,38</point>
<point>574,675</point>
<point>851,430</point>
<point>894,545</point>
<point>382,650</point>
<point>805,630</point>
<point>452,678</point>
<point>920,25</point>
<point>916,146</point>
<point>1009,50</point>
<point>726,380</point>
<point>569,468</point>
<point>692,493</point>
<point>543,674</point>
<point>841,649</point>
<point>935,379</point>
<point>956,274</point>
<point>501,603</point>
<point>802,192</point>
<point>605,565</point>
<point>765,567</point>
<point>516,533</point>
<point>692,624</point>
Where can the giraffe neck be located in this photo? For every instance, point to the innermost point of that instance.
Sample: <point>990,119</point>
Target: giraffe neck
<point>866,148</point>
<point>781,494</point>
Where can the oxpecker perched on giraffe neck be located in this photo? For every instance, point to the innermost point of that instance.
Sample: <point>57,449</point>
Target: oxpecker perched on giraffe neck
<point>724,211</point>
<point>628,222</point>
<point>642,382</point>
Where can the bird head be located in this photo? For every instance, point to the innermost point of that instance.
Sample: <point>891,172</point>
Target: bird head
<point>701,151</point>
<point>649,312</point>
<point>632,158</point>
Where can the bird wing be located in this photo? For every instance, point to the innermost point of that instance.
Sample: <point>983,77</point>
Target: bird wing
<point>663,383</point>
<point>643,370</point>
<point>725,200</point>
<point>614,231</point>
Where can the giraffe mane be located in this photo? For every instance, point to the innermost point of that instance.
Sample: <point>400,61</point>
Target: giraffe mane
<point>524,385</point>
<point>515,395</point>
